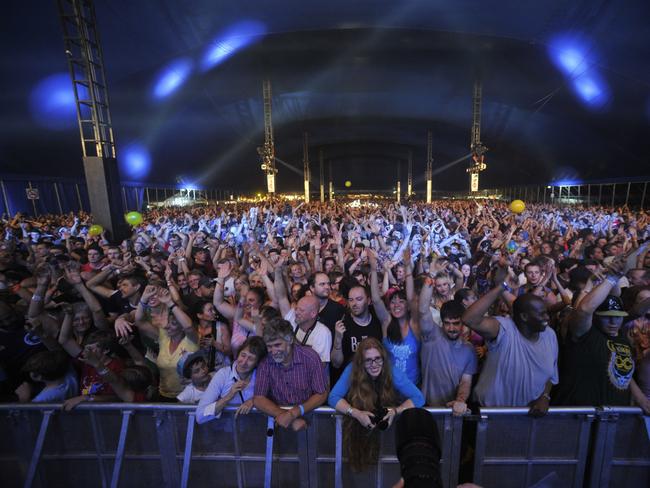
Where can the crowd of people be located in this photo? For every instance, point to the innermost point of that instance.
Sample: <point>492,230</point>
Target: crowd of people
<point>373,308</point>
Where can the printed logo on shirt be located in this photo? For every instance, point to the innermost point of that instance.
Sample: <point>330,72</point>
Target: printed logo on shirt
<point>621,365</point>
<point>354,343</point>
<point>31,339</point>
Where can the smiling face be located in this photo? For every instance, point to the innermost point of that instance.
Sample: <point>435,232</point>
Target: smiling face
<point>397,306</point>
<point>280,350</point>
<point>373,362</point>
<point>246,362</point>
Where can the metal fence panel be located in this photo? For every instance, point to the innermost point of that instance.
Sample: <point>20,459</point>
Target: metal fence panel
<point>516,450</point>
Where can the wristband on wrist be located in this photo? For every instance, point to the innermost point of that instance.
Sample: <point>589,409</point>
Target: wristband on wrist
<point>103,371</point>
<point>348,412</point>
<point>302,410</point>
<point>506,287</point>
<point>547,396</point>
<point>171,307</point>
<point>37,298</point>
<point>613,280</point>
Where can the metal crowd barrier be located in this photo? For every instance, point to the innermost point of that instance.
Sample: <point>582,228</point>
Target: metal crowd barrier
<point>125,445</point>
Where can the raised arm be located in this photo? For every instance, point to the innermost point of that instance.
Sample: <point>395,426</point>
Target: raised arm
<point>580,320</point>
<point>281,289</point>
<point>474,317</point>
<point>73,277</point>
<point>380,309</point>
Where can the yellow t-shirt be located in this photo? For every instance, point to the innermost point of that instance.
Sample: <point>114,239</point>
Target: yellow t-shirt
<point>170,382</point>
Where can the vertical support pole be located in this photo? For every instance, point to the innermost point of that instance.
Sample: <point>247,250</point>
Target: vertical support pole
<point>167,448</point>
<point>429,171</point>
<point>322,176</point>
<point>268,461</point>
<point>58,198</point>
<point>146,192</point>
<point>121,445</point>
<point>627,193</point>
<point>613,193</point>
<point>538,190</point>
<point>238,464</point>
<point>398,188</point>
<point>38,448</point>
<point>98,440</point>
<point>588,194</point>
<point>409,178</point>
<point>544,197</point>
<point>331,183</point>
<point>600,193</point>
<point>187,456</point>
<point>338,453</point>
<point>6,200</point>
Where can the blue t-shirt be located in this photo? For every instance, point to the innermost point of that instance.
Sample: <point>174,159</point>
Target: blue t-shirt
<point>68,389</point>
<point>401,383</point>
<point>405,356</point>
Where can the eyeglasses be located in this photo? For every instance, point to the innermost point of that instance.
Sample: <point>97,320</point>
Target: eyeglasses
<point>378,361</point>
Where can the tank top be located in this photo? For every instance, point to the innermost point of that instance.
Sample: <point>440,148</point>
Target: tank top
<point>405,356</point>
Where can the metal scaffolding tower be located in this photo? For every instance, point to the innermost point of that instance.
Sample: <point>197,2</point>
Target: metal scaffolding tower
<point>86,65</point>
<point>398,189</point>
<point>477,148</point>
<point>409,178</point>
<point>429,171</point>
<point>305,164</point>
<point>268,150</point>
<point>322,177</point>
<point>331,183</point>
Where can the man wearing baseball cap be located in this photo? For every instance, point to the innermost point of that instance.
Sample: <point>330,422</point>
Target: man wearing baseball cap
<point>597,362</point>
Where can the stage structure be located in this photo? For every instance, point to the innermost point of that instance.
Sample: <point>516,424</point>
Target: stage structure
<point>267,152</point>
<point>477,148</point>
<point>305,164</point>
<point>429,171</point>
<point>409,177</point>
<point>398,189</point>
<point>331,183</point>
<point>86,65</point>
<point>322,176</point>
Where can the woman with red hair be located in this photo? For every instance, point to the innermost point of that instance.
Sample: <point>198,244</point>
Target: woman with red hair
<point>367,393</point>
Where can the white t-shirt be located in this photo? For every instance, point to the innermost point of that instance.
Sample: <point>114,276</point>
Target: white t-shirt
<point>191,394</point>
<point>320,338</point>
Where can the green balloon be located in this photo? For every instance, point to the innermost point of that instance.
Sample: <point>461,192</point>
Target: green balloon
<point>95,230</point>
<point>134,218</point>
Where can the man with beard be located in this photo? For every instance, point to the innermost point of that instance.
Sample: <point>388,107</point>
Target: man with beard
<point>355,326</point>
<point>291,375</point>
<point>329,311</point>
<point>448,361</point>
<point>521,364</point>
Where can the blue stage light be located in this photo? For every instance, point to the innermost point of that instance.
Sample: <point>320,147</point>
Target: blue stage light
<point>171,78</point>
<point>227,43</point>
<point>569,54</point>
<point>135,161</point>
<point>52,102</point>
<point>591,89</point>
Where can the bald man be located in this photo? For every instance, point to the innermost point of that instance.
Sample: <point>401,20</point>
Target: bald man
<point>308,330</point>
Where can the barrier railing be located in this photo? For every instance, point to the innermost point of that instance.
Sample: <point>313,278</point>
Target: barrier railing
<point>161,445</point>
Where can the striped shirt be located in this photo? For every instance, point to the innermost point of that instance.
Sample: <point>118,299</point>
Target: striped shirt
<point>304,377</point>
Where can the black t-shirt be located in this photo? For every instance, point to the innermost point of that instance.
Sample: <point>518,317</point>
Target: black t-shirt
<point>355,333</point>
<point>595,370</point>
<point>331,314</point>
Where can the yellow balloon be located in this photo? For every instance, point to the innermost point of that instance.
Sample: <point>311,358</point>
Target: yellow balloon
<point>134,218</point>
<point>517,206</point>
<point>95,230</point>
<point>348,184</point>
